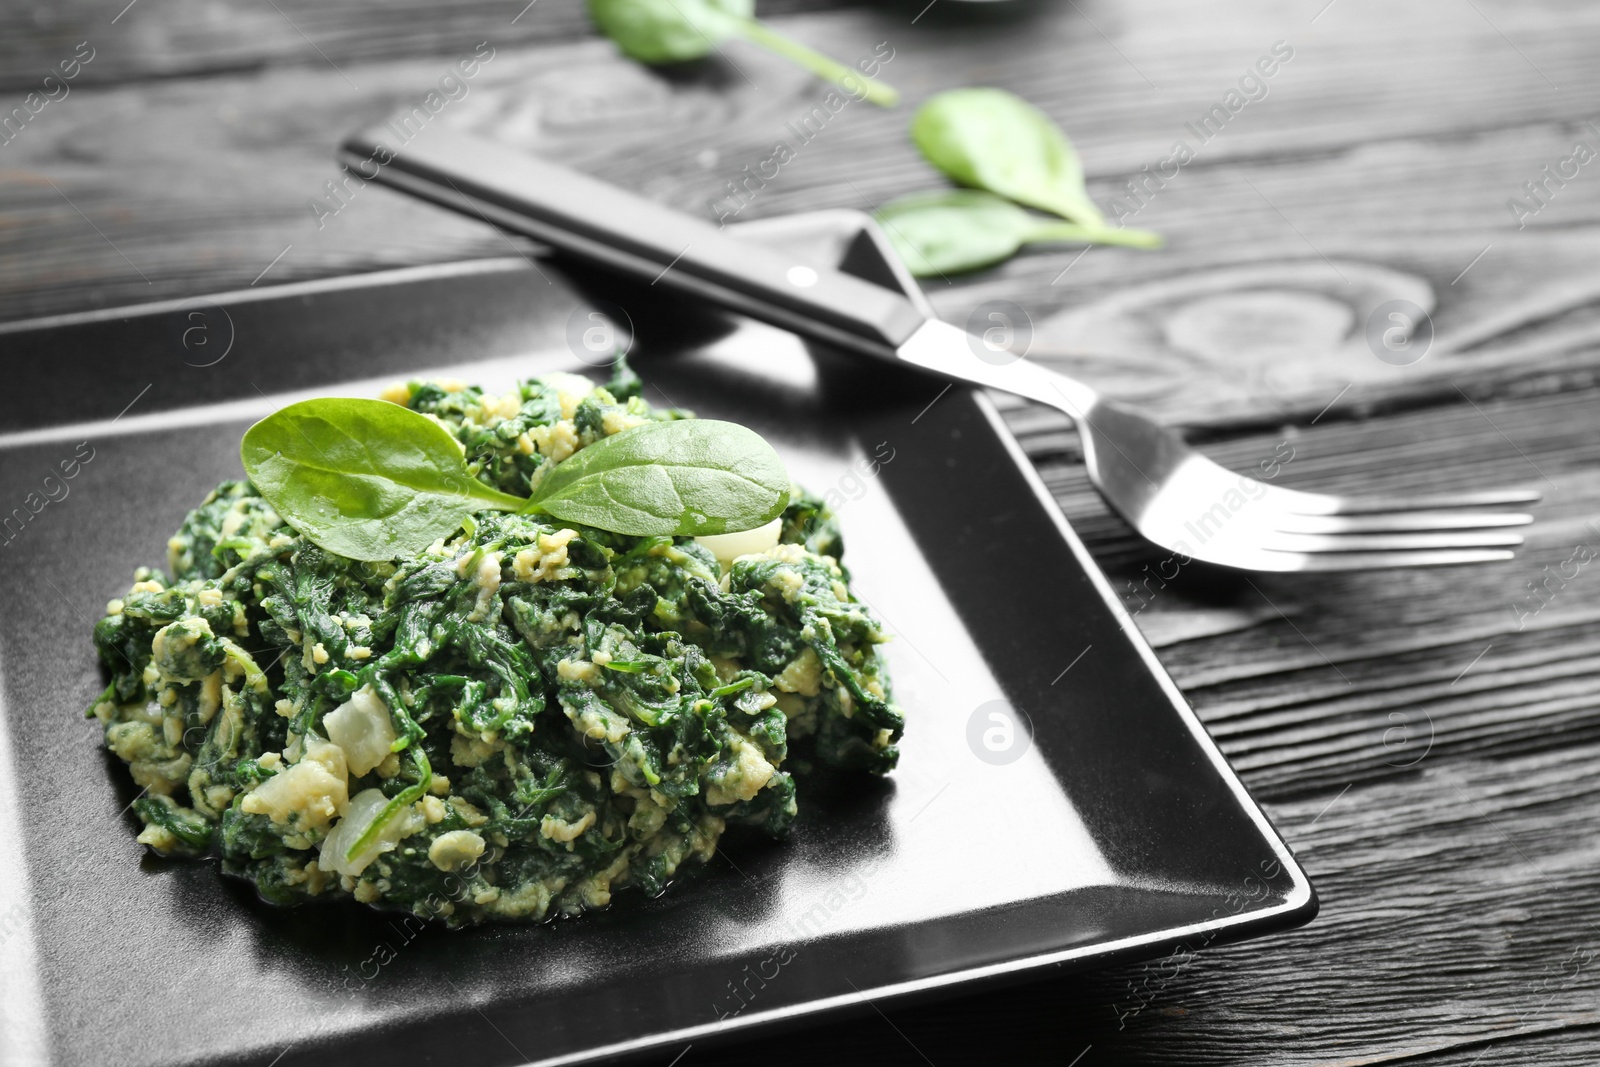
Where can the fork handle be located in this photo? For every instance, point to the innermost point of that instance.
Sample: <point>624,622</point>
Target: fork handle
<point>595,221</point>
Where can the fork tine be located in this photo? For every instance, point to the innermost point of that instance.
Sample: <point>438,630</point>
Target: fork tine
<point>1183,500</point>
<point>1299,502</point>
<point>1372,561</point>
<point>1362,505</point>
<point>1389,542</point>
<point>1394,522</point>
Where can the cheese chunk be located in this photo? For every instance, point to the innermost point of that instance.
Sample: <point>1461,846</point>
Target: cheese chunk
<point>742,780</point>
<point>362,728</point>
<point>454,849</point>
<point>364,807</point>
<point>803,675</point>
<point>307,796</point>
<point>730,546</point>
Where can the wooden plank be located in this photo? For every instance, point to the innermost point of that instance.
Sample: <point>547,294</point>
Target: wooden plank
<point>191,37</point>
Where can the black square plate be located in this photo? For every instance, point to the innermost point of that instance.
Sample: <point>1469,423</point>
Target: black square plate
<point>1057,804</point>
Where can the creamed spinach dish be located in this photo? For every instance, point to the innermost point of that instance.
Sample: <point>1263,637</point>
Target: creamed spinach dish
<point>513,721</point>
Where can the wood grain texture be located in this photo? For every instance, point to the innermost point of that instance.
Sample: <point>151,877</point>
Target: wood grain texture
<point>201,184</point>
<point>1426,740</point>
<point>193,38</point>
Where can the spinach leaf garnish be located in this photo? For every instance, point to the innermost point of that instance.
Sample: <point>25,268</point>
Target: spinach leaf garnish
<point>1007,152</point>
<point>364,478</point>
<point>676,31</point>
<point>373,480</point>
<point>966,229</point>
<point>991,139</point>
<point>692,476</point>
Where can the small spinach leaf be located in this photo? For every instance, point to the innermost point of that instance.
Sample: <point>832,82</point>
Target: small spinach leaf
<point>677,31</point>
<point>957,230</point>
<point>364,478</point>
<point>686,478</point>
<point>995,140</point>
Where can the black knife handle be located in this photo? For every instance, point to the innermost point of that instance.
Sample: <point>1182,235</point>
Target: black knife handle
<point>592,220</point>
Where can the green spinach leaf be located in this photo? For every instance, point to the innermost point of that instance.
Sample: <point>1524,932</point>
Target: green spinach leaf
<point>690,477</point>
<point>991,139</point>
<point>955,230</point>
<point>364,478</point>
<point>669,31</point>
<point>676,31</point>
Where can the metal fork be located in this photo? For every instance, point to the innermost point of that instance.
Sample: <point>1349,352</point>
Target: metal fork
<point>1197,508</point>
<point>1168,492</point>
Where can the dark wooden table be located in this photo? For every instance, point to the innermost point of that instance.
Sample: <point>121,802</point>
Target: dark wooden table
<point>1425,740</point>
